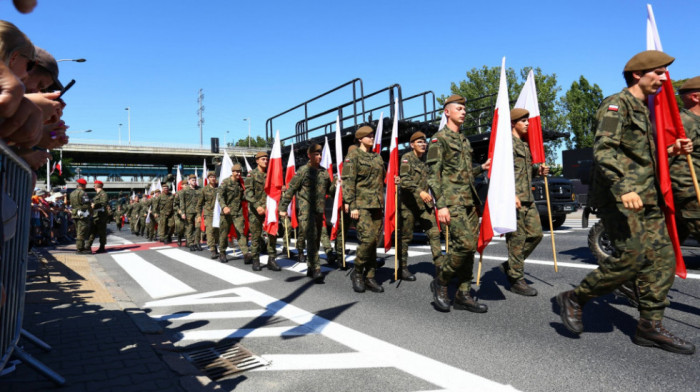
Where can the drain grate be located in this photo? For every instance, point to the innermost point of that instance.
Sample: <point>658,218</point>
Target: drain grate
<point>224,360</point>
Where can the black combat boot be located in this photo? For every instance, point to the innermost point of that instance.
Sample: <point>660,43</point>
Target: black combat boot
<point>179,242</point>
<point>571,311</point>
<point>272,265</point>
<point>331,258</point>
<point>464,301</point>
<point>199,247</point>
<point>650,333</point>
<point>256,264</point>
<point>521,287</point>
<point>627,292</point>
<point>192,248</point>
<point>373,285</point>
<point>247,258</point>
<point>405,274</point>
<point>301,257</point>
<point>358,282</point>
<point>440,298</point>
<point>380,262</point>
<point>317,276</point>
<point>214,254</point>
<point>222,257</point>
<point>101,249</point>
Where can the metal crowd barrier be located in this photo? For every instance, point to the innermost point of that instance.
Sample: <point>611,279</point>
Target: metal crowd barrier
<point>15,209</point>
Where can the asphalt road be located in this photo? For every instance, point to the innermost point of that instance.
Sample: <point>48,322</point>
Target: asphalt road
<point>327,337</point>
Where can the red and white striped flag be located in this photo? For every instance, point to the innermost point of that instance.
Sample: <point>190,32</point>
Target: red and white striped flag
<point>291,170</point>
<point>528,100</point>
<point>338,198</point>
<point>378,135</point>
<point>273,186</point>
<point>247,167</point>
<point>196,177</point>
<point>390,199</point>
<point>59,167</point>
<point>178,180</point>
<point>501,218</point>
<point>326,163</point>
<point>204,173</point>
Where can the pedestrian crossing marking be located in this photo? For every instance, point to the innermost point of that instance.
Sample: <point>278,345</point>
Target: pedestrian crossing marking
<point>156,282</point>
<point>321,362</point>
<point>214,268</point>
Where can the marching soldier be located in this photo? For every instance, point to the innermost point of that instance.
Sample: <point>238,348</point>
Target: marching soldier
<point>310,184</point>
<point>99,217</point>
<point>145,204</point>
<point>363,190</point>
<point>452,180</point>
<point>257,200</point>
<point>153,221</point>
<point>148,220</point>
<point>188,211</point>
<point>81,211</point>
<point>626,193</point>
<point>164,213</point>
<point>135,218</point>
<point>524,240</point>
<point>206,205</point>
<point>417,204</point>
<point>231,197</point>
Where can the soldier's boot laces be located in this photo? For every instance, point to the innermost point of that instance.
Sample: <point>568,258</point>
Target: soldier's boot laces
<point>651,333</point>
<point>440,298</point>
<point>358,282</point>
<point>247,258</point>
<point>464,301</point>
<point>373,285</point>
<point>406,275</point>
<point>256,264</point>
<point>521,287</point>
<point>272,265</point>
<point>570,311</point>
<point>627,292</point>
<point>222,257</point>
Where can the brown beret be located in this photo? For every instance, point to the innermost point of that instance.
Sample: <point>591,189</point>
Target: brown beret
<point>417,135</point>
<point>191,176</point>
<point>648,59</point>
<point>455,99</point>
<point>236,167</point>
<point>261,154</point>
<point>314,148</point>
<point>156,191</point>
<point>690,85</point>
<point>166,186</point>
<point>211,174</point>
<point>518,113</point>
<point>363,131</point>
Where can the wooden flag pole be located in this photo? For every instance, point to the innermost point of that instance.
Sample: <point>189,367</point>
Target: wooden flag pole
<point>396,236</point>
<point>478,272</point>
<point>342,233</point>
<point>551,226</point>
<point>693,176</point>
<point>286,236</point>
<point>447,238</point>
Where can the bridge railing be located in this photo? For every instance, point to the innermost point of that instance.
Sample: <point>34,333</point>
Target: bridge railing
<point>77,142</point>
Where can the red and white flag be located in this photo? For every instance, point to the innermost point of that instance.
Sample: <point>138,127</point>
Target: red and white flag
<point>669,127</point>
<point>528,100</point>
<point>326,163</point>
<point>338,198</point>
<point>378,135</point>
<point>273,186</point>
<point>390,199</point>
<point>59,167</point>
<point>247,167</point>
<point>196,177</point>
<point>501,218</point>
<point>204,173</point>
<point>291,170</point>
<point>226,165</point>
<point>178,180</point>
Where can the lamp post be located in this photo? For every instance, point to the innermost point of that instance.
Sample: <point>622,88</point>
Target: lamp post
<point>75,60</point>
<point>248,119</point>
<point>128,117</point>
<point>120,134</point>
<point>85,131</point>
<point>225,137</point>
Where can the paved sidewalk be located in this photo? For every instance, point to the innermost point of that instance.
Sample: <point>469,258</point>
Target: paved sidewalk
<point>100,340</point>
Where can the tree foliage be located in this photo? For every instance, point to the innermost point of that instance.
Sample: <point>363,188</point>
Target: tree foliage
<point>257,141</point>
<point>676,85</point>
<point>66,170</point>
<point>581,103</point>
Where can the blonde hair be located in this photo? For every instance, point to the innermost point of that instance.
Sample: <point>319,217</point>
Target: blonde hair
<point>12,40</point>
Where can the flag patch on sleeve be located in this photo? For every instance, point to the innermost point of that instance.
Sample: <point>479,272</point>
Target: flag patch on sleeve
<point>612,108</point>
<point>434,140</point>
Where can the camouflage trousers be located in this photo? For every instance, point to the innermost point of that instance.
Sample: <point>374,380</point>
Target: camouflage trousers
<point>325,238</point>
<point>464,232</point>
<point>134,224</point>
<point>166,227</point>
<point>212,232</point>
<point>256,222</point>
<point>82,233</point>
<point>311,226</point>
<point>524,240</point>
<point>688,219</point>
<point>425,217</point>
<point>151,227</point>
<point>369,227</point>
<point>192,231</point>
<point>643,254</point>
<point>98,229</point>
<point>225,225</point>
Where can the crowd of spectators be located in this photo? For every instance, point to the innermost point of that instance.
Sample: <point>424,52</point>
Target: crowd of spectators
<point>52,223</point>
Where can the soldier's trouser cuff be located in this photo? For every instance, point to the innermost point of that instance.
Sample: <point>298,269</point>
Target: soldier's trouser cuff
<point>652,314</point>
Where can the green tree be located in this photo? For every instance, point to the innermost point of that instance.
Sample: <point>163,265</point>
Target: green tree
<point>581,103</point>
<point>257,141</point>
<point>676,85</point>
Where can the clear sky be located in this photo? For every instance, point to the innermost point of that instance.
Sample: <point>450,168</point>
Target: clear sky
<point>258,58</point>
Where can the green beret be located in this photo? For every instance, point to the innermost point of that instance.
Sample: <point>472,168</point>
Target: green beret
<point>191,176</point>
<point>236,167</point>
<point>648,59</point>
<point>211,174</point>
<point>261,154</point>
<point>455,99</point>
<point>690,85</point>
<point>363,131</point>
<point>314,148</point>
<point>518,113</point>
<point>417,135</point>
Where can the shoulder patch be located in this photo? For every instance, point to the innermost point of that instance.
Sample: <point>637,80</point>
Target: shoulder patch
<point>433,140</point>
<point>613,108</point>
<point>405,161</point>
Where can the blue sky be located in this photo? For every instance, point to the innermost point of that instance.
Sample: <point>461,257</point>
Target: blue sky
<point>257,59</point>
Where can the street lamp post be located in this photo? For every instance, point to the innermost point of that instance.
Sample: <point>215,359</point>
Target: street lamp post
<point>248,119</point>
<point>76,60</point>
<point>120,134</point>
<point>225,137</point>
<point>128,114</point>
<point>74,132</point>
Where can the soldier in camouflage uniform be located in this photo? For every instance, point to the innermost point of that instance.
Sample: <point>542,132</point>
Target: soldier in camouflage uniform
<point>206,205</point>
<point>127,211</point>
<point>145,205</point>
<point>452,181</point>
<point>149,221</point>
<point>99,218</point>
<point>135,218</point>
<point>165,214</point>
<point>417,204</point>
<point>626,193</point>
<point>257,200</point>
<point>231,198</point>
<point>311,184</point>
<point>528,234</point>
<point>81,211</point>
<point>363,189</point>
<point>188,200</point>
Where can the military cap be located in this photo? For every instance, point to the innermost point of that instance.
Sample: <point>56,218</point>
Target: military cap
<point>689,85</point>
<point>417,135</point>
<point>166,186</point>
<point>363,131</point>
<point>152,192</point>
<point>81,181</point>
<point>455,99</point>
<point>261,154</point>
<point>314,148</point>
<point>236,167</point>
<point>48,62</point>
<point>191,176</point>
<point>518,113</point>
<point>648,59</point>
<point>211,174</point>
<point>98,182</point>
<point>156,191</point>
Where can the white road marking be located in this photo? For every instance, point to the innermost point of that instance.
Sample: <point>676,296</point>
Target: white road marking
<point>160,247</point>
<point>116,240</point>
<point>156,282</point>
<point>214,268</point>
<point>232,314</point>
<point>211,297</point>
<point>264,332</point>
<point>321,361</point>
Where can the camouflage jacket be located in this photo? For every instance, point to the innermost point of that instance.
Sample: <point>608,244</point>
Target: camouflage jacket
<point>127,211</point>
<point>100,205</point>
<point>683,187</point>
<point>414,180</point>
<point>207,201</point>
<point>232,195</point>
<point>310,185</point>
<point>524,170</point>
<point>166,205</point>
<point>135,211</point>
<point>624,152</point>
<point>145,205</point>
<point>363,180</point>
<point>79,201</point>
<point>255,189</point>
<point>188,200</point>
<point>452,179</point>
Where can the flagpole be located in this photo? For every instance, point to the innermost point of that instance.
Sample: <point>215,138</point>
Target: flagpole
<point>286,236</point>
<point>693,176</point>
<point>551,226</point>
<point>396,237</point>
<point>447,238</point>
<point>478,272</point>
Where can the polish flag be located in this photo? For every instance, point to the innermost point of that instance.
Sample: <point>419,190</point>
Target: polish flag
<point>378,135</point>
<point>327,164</point>
<point>204,173</point>
<point>390,199</point>
<point>502,218</point>
<point>197,177</point>
<point>669,127</point>
<point>247,167</point>
<point>338,198</point>
<point>59,167</point>
<point>528,100</point>
<point>178,179</point>
<point>273,186</point>
<point>291,170</point>
<point>226,165</point>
